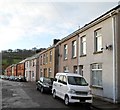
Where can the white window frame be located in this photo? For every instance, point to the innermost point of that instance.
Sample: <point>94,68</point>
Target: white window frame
<point>96,80</point>
<point>83,45</point>
<point>65,69</point>
<point>74,48</point>
<point>98,40</point>
<point>65,52</point>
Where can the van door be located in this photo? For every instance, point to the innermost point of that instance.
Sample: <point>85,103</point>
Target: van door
<point>59,92</point>
<point>64,87</point>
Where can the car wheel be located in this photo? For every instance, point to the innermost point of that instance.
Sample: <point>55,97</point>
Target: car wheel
<point>54,94</point>
<point>36,87</point>
<point>66,100</point>
<point>42,90</point>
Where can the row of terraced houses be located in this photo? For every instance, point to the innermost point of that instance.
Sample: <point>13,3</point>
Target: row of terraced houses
<point>92,51</point>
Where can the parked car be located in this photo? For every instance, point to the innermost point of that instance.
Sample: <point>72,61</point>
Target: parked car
<point>44,84</point>
<point>12,78</point>
<point>2,76</point>
<point>21,78</point>
<point>6,77</point>
<point>16,78</point>
<point>71,88</point>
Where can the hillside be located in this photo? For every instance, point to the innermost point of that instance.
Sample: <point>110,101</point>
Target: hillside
<point>13,57</point>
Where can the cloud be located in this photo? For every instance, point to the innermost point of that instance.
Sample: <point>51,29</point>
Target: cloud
<point>21,20</point>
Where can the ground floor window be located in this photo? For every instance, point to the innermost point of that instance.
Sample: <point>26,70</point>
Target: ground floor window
<point>41,72</point>
<point>65,69</point>
<point>32,73</point>
<point>74,69</point>
<point>50,71</point>
<point>96,74</point>
<point>81,70</point>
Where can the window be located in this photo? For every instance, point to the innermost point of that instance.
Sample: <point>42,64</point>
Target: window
<point>83,45</point>
<point>60,78</point>
<point>73,49</point>
<point>81,70</point>
<point>98,40</point>
<point>50,71</point>
<point>96,74</point>
<point>41,60</point>
<point>75,69</point>
<point>74,80</point>
<point>41,72</point>
<point>32,73</point>
<point>50,56</point>
<point>65,51</point>
<point>33,63</point>
<point>65,69</point>
<point>46,58</point>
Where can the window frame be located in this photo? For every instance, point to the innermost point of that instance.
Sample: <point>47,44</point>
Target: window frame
<point>97,42</point>
<point>74,49</point>
<point>83,46</point>
<point>100,82</point>
<point>65,52</point>
<point>50,56</point>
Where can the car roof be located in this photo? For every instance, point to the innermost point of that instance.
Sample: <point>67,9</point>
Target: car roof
<point>69,74</point>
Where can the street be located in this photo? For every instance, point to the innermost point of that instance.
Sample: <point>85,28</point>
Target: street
<point>23,95</point>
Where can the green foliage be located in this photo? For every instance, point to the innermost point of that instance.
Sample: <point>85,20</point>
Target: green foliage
<point>10,57</point>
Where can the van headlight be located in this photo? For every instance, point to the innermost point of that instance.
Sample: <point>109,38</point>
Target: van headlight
<point>72,91</point>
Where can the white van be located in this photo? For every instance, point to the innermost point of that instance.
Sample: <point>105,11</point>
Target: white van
<point>71,88</point>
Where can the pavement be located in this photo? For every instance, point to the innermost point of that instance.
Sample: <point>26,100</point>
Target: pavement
<point>99,104</point>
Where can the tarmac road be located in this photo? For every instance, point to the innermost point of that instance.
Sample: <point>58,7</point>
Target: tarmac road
<point>23,95</point>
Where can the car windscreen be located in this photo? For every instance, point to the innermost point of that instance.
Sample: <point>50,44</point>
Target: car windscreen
<point>47,80</point>
<point>74,80</point>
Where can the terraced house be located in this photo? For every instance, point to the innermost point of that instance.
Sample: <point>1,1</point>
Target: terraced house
<point>48,62</point>
<point>68,53</point>
<point>99,55</point>
<point>21,68</point>
<point>32,68</point>
<point>93,51</point>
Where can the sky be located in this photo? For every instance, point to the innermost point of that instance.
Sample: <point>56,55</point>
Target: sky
<point>25,24</point>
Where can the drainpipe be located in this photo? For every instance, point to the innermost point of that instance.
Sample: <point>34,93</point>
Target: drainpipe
<point>114,60</point>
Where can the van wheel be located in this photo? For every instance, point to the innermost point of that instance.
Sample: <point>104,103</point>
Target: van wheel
<point>54,94</point>
<point>66,100</point>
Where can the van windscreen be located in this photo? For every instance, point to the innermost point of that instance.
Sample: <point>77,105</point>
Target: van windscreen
<point>73,80</point>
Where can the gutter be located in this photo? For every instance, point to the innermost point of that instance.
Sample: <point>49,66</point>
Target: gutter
<point>114,60</point>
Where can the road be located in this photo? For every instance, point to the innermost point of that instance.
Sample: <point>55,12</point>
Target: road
<point>23,95</point>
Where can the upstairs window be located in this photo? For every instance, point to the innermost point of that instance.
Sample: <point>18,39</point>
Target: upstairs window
<point>46,58</point>
<point>74,49</point>
<point>50,56</point>
<point>98,40</point>
<point>83,45</point>
<point>65,52</point>
<point>41,60</point>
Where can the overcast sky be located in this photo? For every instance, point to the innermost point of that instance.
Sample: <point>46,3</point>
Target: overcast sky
<point>25,24</point>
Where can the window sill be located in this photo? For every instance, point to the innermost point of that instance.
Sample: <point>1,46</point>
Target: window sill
<point>98,52</point>
<point>83,55</point>
<point>96,87</point>
<point>65,59</point>
<point>74,57</point>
